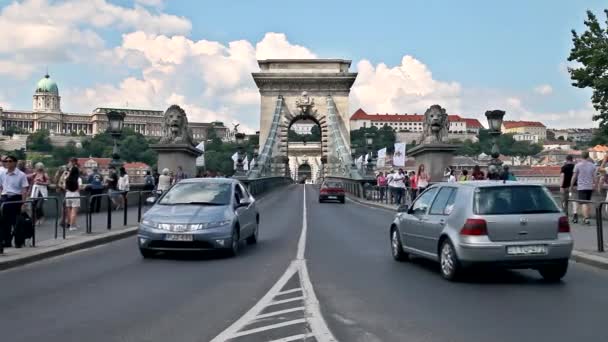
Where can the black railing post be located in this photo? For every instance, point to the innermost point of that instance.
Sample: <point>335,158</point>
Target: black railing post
<point>139,206</point>
<point>34,205</point>
<point>109,226</point>
<point>125,207</point>
<point>600,228</point>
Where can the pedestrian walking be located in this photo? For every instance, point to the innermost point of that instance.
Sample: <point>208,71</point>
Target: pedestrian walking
<point>477,173</point>
<point>397,185</point>
<point>13,188</point>
<point>95,187</point>
<point>565,175</point>
<point>112,185</point>
<point>584,175</point>
<point>413,185</point>
<point>149,183</point>
<point>164,181</point>
<point>40,183</point>
<point>452,176</point>
<point>73,184</point>
<point>423,179</point>
<point>507,175</point>
<point>464,176</point>
<point>603,181</point>
<point>123,186</point>
<point>382,185</point>
<point>179,175</point>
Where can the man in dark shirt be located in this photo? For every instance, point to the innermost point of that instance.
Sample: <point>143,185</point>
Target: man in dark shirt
<point>566,179</point>
<point>112,183</point>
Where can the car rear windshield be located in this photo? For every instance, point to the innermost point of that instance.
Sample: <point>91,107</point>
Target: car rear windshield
<point>333,185</point>
<point>198,193</point>
<point>505,200</point>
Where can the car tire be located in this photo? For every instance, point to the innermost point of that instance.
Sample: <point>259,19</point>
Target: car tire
<point>449,265</point>
<point>554,273</point>
<point>253,239</point>
<point>233,250</point>
<point>147,253</point>
<point>397,247</point>
<point>342,200</point>
<point>320,200</point>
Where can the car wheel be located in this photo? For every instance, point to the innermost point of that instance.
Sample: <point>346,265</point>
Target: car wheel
<point>397,247</point>
<point>234,244</point>
<point>320,200</point>
<point>146,253</point>
<point>554,273</point>
<point>342,200</point>
<point>253,239</point>
<point>450,265</point>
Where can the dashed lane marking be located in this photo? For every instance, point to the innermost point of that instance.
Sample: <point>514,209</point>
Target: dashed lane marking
<point>297,317</point>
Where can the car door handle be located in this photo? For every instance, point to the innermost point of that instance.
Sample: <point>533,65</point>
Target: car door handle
<point>442,222</point>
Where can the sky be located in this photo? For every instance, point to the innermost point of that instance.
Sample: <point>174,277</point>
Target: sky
<point>468,56</point>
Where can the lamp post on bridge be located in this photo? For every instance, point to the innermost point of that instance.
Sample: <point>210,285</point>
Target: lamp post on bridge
<point>495,118</point>
<point>353,155</point>
<point>369,140</point>
<point>116,122</point>
<point>240,139</point>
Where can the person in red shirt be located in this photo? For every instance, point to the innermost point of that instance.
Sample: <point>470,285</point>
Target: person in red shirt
<point>382,184</point>
<point>413,185</point>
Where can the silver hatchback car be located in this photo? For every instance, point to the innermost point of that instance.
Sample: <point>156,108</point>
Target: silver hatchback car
<point>200,214</point>
<point>507,224</point>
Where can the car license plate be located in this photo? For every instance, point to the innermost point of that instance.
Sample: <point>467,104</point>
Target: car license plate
<point>527,250</point>
<point>179,237</point>
<point>332,197</point>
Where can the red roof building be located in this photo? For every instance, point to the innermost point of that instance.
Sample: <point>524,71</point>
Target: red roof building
<point>410,122</point>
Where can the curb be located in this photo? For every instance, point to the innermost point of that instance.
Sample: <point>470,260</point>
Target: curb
<point>67,248</point>
<point>577,256</point>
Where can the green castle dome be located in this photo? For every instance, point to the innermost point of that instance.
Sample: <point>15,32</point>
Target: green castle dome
<point>47,85</point>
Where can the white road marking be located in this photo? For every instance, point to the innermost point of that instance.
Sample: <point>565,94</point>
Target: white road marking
<point>280,312</point>
<point>319,329</point>
<point>269,327</point>
<point>299,337</point>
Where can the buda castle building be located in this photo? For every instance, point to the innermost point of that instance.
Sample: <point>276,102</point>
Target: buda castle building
<point>47,115</point>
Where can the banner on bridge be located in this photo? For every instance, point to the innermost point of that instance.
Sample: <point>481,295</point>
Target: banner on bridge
<point>399,157</point>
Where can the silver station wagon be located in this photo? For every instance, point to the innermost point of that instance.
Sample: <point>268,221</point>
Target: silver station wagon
<point>506,224</point>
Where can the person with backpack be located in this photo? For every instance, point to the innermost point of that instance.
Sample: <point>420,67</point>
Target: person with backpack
<point>73,184</point>
<point>149,183</point>
<point>95,187</point>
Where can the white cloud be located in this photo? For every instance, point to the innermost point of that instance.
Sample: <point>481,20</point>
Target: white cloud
<point>152,3</point>
<point>543,89</point>
<point>275,46</point>
<point>43,32</point>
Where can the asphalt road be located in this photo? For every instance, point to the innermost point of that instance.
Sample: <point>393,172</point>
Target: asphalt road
<point>111,294</point>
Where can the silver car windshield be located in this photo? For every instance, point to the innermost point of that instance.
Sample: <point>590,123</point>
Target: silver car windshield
<point>505,200</point>
<point>198,193</point>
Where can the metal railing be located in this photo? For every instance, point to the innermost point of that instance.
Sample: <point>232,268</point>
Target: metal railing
<point>33,217</point>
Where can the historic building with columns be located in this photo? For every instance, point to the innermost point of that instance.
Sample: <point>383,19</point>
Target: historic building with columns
<point>46,114</point>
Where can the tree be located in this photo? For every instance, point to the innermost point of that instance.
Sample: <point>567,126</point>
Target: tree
<point>383,137</point>
<point>550,135</point>
<point>12,130</point>
<point>591,50</point>
<point>40,141</point>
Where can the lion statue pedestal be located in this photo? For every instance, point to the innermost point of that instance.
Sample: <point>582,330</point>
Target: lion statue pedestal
<point>176,147</point>
<point>434,151</point>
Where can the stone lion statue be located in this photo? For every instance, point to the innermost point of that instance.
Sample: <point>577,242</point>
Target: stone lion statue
<point>175,127</point>
<point>436,125</point>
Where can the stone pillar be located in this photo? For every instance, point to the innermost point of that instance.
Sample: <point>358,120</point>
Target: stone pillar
<point>173,155</point>
<point>435,157</point>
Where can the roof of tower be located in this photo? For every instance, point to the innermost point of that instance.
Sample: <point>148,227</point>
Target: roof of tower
<point>47,85</point>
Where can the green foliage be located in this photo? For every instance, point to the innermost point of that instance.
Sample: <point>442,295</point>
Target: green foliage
<point>315,135</point>
<point>383,137</point>
<point>506,145</point>
<point>12,130</point>
<point>40,141</point>
<point>591,50</point>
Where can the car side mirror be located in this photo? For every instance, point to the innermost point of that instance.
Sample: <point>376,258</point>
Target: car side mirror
<point>243,202</point>
<point>150,200</point>
<point>403,208</point>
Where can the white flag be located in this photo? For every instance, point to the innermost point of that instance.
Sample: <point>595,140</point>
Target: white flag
<point>381,161</point>
<point>235,157</point>
<point>200,161</point>
<point>399,157</point>
<point>359,162</point>
<point>246,163</point>
<point>252,163</point>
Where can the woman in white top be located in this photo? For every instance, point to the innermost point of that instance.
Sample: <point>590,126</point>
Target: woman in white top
<point>40,180</point>
<point>452,177</point>
<point>422,179</point>
<point>164,181</point>
<point>123,185</point>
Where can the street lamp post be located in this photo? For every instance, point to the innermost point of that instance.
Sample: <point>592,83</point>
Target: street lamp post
<point>240,138</point>
<point>116,122</point>
<point>495,118</point>
<point>369,140</point>
<point>256,150</point>
<point>353,155</point>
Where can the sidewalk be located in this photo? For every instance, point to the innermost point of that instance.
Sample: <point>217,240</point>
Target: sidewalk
<point>47,246</point>
<point>585,237</point>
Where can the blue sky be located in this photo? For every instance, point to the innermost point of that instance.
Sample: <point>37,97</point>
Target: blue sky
<point>494,53</point>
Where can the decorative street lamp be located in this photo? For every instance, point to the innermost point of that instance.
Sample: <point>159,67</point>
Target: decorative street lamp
<point>369,139</point>
<point>495,118</point>
<point>240,139</point>
<point>353,155</point>
<point>116,121</point>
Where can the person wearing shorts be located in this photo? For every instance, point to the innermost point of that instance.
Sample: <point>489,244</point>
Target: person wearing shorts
<point>73,184</point>
<point>584,176</point>
<point>566,173</point>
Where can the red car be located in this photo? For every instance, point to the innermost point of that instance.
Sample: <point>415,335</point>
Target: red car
<point>331,191</point>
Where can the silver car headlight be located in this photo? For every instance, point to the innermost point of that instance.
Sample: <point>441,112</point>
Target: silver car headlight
<point>149,223</point>
<point>209,225</point>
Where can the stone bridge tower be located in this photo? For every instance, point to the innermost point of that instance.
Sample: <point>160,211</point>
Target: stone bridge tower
<point>304,89</point>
